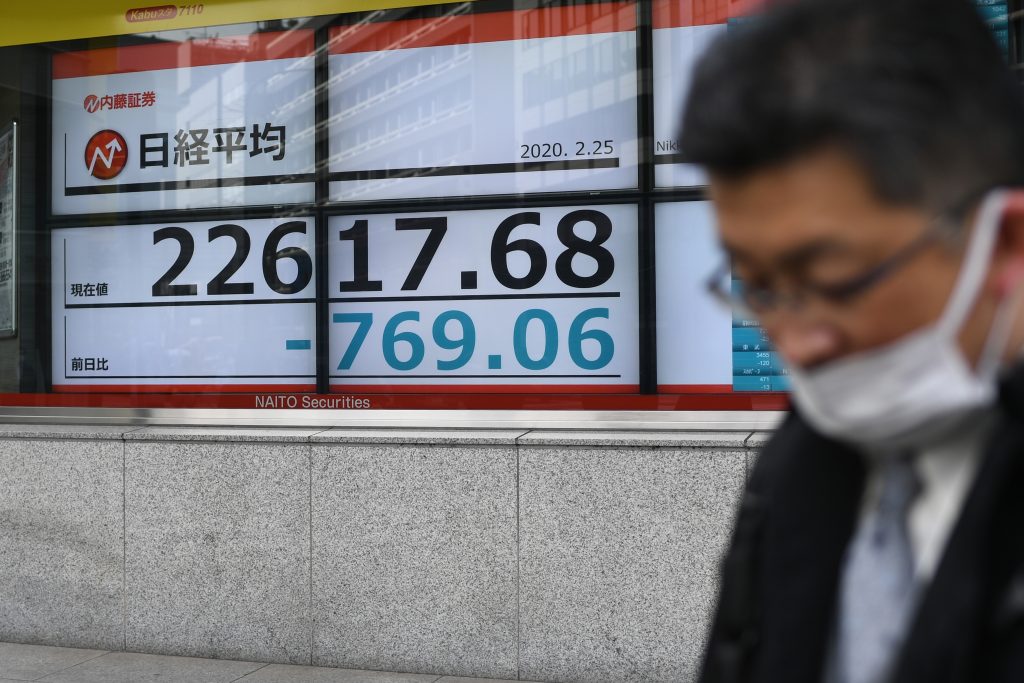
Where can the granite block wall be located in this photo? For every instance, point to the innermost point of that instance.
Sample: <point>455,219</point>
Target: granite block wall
<point>542,555</point>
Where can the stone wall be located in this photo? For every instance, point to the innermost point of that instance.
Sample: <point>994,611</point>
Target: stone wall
<point>533,554</point>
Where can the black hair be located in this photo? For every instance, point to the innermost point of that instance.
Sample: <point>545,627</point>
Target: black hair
<point>915,91</point>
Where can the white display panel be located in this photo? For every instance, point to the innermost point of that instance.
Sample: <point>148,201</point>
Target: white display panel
<point>504,299</point>
<point>677,45</point>
<point>223,122</point>
<point>702,347</point>
<point>226,305</point>
<point>541,100</point>
<point>694,331</point>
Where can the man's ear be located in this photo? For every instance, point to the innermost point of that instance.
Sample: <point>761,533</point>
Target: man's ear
<point>1008,269</point>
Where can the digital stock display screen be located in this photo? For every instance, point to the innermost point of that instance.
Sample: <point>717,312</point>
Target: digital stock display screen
<point>541,100</point>
<point>214,123</point>
<point>486,300</point>
<point>268,214</point>
<point>185,306</point>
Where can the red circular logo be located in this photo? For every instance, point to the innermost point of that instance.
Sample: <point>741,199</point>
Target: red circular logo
<point>106,154</point>
<point>91,104</point>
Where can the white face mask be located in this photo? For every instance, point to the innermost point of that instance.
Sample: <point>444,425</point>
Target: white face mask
<point>915,389</point>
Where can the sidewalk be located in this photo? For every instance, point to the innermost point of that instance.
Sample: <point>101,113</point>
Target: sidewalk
<point>68,665</point>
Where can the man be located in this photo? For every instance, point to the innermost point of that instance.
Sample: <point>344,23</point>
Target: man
<point>864,160</point>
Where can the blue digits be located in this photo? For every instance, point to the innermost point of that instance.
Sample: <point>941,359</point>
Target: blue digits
<point>467,342</point>
<point>577,336</point>
<point>392,336</point>
<point>550,339</point>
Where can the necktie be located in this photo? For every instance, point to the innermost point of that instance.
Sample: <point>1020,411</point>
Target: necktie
<point>877,595</point>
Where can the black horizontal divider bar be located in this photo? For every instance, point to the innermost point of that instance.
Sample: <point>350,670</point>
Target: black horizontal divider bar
<point>478,297</point>
<point>195,184</point>
<point>397,381</point>
<point>195,302</point>
<point>674,158</point>
<point>475,169</point>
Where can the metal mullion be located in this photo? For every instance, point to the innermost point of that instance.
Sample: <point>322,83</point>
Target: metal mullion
<point>322,190</point>
<point>645,210</point>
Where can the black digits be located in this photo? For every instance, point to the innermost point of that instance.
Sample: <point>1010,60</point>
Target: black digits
<point>186,248</point>
<point>501,248</point>
<point>577,245</point>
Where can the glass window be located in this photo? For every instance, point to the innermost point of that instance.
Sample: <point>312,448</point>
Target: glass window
<point>469,205</point>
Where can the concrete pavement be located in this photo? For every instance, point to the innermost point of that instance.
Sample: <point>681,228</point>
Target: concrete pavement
<point>72,665</point>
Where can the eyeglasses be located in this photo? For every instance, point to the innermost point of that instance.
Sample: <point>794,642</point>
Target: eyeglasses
<point>754,301</point>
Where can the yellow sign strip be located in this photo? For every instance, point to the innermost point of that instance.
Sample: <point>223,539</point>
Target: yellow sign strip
<point>39,22</point>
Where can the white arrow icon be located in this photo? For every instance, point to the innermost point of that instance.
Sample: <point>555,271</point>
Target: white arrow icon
<point>114,146</point>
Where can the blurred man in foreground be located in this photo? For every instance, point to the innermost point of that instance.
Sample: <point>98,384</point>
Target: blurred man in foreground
<point>866,159</point>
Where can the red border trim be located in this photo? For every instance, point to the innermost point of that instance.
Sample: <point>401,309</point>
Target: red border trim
<point>256,47</point>
<point>485,27</point>
<point>683,13</point>
<point>485,388</point>
<point>467,402</point>
<point>694,388</point>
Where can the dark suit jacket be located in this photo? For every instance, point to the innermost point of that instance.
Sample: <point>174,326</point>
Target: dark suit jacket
<point>781,574</point>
